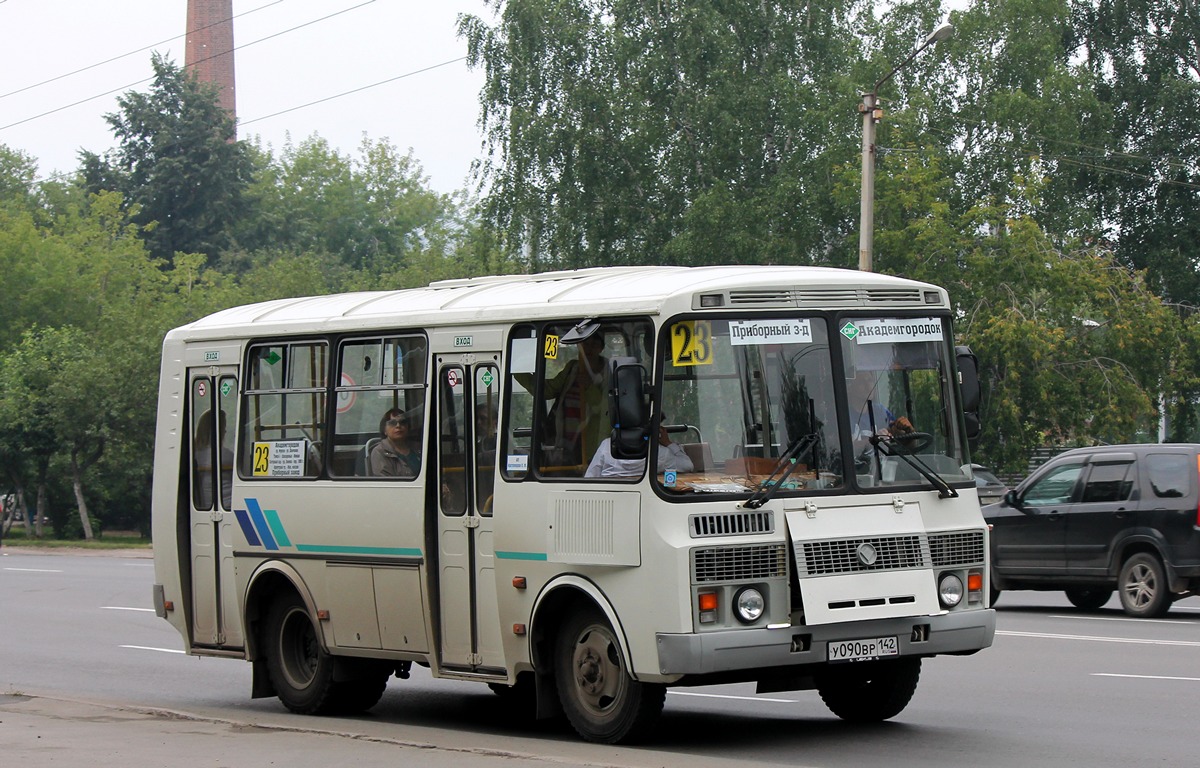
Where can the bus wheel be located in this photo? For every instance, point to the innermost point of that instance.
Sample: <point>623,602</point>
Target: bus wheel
<point>869,691</point>
<point>300,670</point>
<point>1143,585</point>
<point>602,702</point>
<point>359,694</point>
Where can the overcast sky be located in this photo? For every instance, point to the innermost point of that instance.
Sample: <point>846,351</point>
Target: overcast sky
<point>433,112</point>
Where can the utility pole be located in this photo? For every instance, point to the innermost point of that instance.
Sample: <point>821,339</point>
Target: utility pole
<point>872,114</point>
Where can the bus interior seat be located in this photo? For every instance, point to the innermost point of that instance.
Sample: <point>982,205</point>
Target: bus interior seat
<point>701,456</point>
<point>364,468</point>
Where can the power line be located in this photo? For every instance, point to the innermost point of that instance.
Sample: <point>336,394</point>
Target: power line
<point>65,174</point>
<point>147,79</point>
<point>130,53</point>
<point>353,90</point>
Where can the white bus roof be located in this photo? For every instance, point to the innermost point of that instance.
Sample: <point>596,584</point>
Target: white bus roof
<point>598,291</point>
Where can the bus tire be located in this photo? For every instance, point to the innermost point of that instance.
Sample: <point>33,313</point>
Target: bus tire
<point>351,697</point>
<point>869,691</point>
<point>1143,587</point>
<point>300,670</point>
<point>601,700</point>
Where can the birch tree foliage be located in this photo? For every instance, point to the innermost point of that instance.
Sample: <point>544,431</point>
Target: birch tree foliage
<point>616,126</point>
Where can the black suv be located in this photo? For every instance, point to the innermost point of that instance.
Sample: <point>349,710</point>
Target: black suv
<point>1091,520</point>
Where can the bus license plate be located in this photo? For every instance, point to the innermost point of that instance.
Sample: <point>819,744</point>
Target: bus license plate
<point>863,650</point>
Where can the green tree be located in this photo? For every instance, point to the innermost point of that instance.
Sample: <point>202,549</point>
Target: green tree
<point>1145,172</point>
<point>176,164</point>
<point>1061,334</point>
<point>373,213</point>
<point>617,126</point>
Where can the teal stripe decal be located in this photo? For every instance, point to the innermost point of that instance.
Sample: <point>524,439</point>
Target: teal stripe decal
<point>277,527</point>
<point>338,550</point>
<point>520,555</point>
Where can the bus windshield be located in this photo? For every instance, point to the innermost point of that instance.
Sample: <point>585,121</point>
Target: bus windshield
<point>756,401</point>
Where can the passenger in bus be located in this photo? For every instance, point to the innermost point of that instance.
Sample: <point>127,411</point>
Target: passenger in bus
<point>671,456</point>
<point>395,455</point>
<point>580,410</point>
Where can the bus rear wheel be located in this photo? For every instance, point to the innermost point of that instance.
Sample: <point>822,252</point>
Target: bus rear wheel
<point>869,691</point>
<point>601,700</point>
<point>300,670</point>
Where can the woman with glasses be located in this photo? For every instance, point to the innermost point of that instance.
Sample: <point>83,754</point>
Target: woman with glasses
<point>394,455</point>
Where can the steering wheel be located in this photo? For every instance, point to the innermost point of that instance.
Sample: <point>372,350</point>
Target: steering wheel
<point>913,442</point>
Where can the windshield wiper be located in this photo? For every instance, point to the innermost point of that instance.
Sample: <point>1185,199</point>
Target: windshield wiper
<point>786,465</point>
<point>894,446</point>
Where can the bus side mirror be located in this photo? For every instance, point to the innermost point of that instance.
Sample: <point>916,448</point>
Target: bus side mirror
<point>968,388</point>
<point>627,408</point>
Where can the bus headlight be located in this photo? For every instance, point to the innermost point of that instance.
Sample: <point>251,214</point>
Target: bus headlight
<point>749,605</point>
<point>950,590</point>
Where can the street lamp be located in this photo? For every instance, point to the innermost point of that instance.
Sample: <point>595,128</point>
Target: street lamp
<point>871,114</point>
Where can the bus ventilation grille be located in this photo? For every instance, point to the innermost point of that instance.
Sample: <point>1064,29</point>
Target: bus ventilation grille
<point>739,563</point>
<point>732,524</point>
<point>838,297</point>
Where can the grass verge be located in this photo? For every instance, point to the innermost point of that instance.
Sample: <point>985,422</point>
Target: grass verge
<point>15,539</point>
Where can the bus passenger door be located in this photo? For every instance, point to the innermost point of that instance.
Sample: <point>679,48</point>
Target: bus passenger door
<point>468,398</point>
<point>213,394</point>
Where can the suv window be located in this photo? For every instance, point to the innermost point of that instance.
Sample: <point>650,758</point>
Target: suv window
<point>1055,487</point>
<point>1109,482</point>
<point>1168,474</point>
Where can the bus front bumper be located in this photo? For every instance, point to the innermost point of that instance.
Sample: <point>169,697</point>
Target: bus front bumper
<point>737,649</point>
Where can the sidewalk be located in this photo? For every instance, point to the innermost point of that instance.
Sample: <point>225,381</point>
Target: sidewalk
<point>39,732</point>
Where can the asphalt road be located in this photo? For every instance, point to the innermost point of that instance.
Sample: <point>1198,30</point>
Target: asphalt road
<point>89,674</point>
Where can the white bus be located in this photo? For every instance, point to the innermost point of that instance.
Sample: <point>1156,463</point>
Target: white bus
<point>581,488</point>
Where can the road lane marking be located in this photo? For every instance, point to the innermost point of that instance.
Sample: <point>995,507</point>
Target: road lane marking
<point>1120,618</point>
<point>723,696</point>
<point>124,608</point>
<point>1148,677</point>
<point>1098,639</point>
<point>150,648</point>
<point>35,570</point>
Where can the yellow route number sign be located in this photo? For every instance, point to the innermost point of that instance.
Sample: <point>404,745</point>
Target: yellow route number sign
<point>691,343</point>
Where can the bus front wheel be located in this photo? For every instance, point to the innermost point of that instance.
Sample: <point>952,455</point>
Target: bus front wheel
<point>601,700</point>
<point>869,691</point>
<point>300,670</point>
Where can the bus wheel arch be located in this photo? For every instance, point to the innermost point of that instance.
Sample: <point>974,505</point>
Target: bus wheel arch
<point>280,617</point>
<point>271,582</point>
<point>583,655</point>
<point>556,600</point>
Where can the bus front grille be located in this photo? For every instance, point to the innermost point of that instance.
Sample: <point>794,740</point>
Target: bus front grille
<point>956,548</point>
<point>879,553</point>
<point>755,561</point>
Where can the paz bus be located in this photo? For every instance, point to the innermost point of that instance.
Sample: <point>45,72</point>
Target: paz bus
<point>815,527</point>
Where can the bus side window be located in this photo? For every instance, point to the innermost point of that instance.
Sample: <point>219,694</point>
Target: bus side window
<point>375,377</point>
<point>517,439</point>
<point>284,409</point>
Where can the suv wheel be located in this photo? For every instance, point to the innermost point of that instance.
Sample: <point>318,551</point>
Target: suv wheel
<point>1143,586</point>
<point>1088,599</point>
